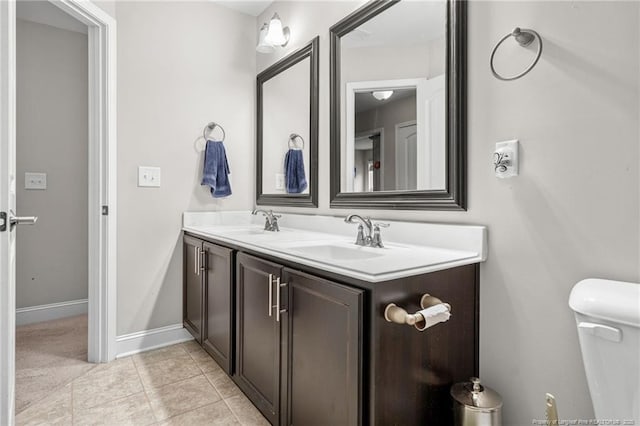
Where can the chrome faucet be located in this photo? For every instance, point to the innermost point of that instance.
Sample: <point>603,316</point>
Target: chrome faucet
<point>368,232</point>
<point>366,235</point>
<point>271,220</point>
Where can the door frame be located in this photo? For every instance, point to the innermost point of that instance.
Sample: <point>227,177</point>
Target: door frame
<point>102,185</point>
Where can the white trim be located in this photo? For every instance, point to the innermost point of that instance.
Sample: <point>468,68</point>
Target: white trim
<point>379,131</point>
<point>7,202</point>
<point>52,311</point>
<point>102,175</point>
<point>142,341</point>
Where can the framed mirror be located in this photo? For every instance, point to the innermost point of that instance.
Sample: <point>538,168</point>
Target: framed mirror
<point>397,88</point>
<point>287,130</point>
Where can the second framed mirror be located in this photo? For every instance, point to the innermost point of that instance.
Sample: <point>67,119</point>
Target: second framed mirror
<point>287,130</point>
<point>397,98</point>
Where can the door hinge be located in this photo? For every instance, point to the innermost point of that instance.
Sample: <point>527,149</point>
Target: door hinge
<point>105,210</point>
<point>3,220</point>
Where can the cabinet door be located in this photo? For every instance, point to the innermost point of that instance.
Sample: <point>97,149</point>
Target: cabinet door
<point>258,361</point>
<point>218,312</point>
<point>192,287</point>
<point>324,345</point>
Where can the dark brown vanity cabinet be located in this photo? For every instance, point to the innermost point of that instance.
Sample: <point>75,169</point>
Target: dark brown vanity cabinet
<point>311,347</point>
<point>208,298</point>
<point>299,344</point>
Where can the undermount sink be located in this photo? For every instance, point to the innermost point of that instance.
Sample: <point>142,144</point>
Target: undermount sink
<point>335,252</point>
<point>244,231</point>
<point>250,231</point>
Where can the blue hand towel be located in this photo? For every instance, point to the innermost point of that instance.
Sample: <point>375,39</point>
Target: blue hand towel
<point>295,180</point>
<point>216,170</point>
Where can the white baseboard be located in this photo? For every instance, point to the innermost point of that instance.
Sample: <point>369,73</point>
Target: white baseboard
<point>129,344</point>
<point>33,314</point>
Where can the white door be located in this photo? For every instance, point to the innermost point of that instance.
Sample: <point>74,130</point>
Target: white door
<point>7,204</point>
<point>432,151</point>
<point>406,154</point>
<point>8,220</point>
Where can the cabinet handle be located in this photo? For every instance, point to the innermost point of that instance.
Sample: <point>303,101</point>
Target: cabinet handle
<point>270,293</point>
<point>203,260</point>
<point>278,310</point>
<point>195,260</point>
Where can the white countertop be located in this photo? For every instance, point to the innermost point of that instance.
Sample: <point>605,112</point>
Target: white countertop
<point>327,243</point>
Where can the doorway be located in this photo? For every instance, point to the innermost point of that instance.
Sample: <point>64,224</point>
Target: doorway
<point>101,194</point>
<point>52,128</point>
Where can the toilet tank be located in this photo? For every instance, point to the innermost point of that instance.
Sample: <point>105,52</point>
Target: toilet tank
<point>608,319</point>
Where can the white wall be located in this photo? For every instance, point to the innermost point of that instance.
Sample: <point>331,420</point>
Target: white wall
<point>52,125</point>
<point>573,211</point>
<point>180,66</point>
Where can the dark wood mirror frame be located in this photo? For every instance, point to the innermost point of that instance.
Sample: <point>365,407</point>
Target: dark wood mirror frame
<point>454,196</point>
<point>296,200</point>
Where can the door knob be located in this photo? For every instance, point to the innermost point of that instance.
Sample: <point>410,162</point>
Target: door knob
<point>21,220</point>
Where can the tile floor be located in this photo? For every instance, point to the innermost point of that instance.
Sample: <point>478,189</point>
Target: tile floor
<point>175,385</point>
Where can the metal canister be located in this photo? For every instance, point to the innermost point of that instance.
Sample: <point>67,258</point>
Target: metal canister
<point>475,404</point>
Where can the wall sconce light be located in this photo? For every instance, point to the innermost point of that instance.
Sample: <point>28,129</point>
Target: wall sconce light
<point>272,35</point>
<point>382,95</point>
<point>263,46</point>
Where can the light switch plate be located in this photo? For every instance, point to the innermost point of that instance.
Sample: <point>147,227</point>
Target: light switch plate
<point>280,181</point>
<point>148,176</point>
<point>35,180</point>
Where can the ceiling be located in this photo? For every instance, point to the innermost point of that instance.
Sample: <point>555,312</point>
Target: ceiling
<point>253,8</point>
<point>43,12</point>
<point>365,101</point>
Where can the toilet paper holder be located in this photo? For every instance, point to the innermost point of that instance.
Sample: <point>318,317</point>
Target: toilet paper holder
<point>395,314</point>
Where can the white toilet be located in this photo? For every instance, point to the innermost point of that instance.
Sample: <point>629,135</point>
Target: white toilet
<point>608,319</point>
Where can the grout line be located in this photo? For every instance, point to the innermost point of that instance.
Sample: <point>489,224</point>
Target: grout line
<point>230,409</point>
<point>144,390</point>
<point>192,410</point>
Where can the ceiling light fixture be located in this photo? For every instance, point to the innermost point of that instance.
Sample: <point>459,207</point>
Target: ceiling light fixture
<point>382,95</point>
<point>272,35</point>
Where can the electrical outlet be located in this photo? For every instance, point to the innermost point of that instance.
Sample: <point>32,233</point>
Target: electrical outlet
<point>280,181</point>
<point>35,180</point>
<point>149,176</point>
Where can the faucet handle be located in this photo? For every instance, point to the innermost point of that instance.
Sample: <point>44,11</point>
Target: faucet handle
<point>376,241</point>
<point>381,225</point>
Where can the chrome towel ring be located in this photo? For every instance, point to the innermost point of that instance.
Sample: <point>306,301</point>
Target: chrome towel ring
<point>209,128</point>
<point>524,37</point>
<point>292,140</point>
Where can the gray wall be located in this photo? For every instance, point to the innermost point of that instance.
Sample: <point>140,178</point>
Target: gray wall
<point>51,264</point>
<point>573,211</point>
<point>386,117</point>
<point>180,66</point>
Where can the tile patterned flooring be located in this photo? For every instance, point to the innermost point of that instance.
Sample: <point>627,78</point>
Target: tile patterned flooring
<point>175,385</point>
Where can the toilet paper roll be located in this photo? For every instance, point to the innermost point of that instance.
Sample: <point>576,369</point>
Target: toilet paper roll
<point>432,315</point>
